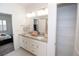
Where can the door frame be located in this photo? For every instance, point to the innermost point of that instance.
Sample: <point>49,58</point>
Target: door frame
<point>52,13</point>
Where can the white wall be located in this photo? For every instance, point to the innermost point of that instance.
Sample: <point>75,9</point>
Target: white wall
<point>18,18</point>
<point>52,9</point>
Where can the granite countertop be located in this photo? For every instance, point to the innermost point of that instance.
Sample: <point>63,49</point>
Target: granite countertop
<point>39,37</point>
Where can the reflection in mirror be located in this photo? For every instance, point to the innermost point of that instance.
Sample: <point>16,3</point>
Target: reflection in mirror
<point>41,25</point>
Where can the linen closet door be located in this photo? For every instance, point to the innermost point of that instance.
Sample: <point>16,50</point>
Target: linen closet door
<point>66,26</point>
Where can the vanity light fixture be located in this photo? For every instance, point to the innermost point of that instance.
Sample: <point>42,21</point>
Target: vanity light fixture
<point>28,15</point>
<point>31,14</point>
<point>40,12</point>
<point>46,11</point>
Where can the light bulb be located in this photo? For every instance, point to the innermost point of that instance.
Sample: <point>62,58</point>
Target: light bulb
<point>28,15</point>
<point>42,12</point>
<point>38,13</point>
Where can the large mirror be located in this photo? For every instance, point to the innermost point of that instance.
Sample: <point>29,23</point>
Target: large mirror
<point>38,22</point>
<point>41,24</point>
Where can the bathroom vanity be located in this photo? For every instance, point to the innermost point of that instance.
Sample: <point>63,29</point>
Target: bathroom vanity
<point>34,37</point>
<point>35,45</point>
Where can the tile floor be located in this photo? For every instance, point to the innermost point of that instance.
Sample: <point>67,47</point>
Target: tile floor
<point>19,52</point>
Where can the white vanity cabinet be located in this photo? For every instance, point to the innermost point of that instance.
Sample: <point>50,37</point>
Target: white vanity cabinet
<point>24,42</point>
<point>38,47</point>
<point>34,46</point>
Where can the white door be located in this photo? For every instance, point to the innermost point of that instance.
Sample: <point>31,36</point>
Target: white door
<point>66,24</point>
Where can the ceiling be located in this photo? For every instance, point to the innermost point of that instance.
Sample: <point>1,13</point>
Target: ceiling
<point>33,6</point>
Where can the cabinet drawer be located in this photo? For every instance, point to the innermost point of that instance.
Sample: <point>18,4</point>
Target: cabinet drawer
<point>34,46</point>
<point>42,50</point>
<point>38,48</point>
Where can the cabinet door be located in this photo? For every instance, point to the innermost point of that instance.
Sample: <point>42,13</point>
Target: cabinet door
<point>21,41</point>
<point>38,48</point>
<point>27,43</point>
<point>34,47</point>
<point>24,42</point>
<point>42,49</point>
